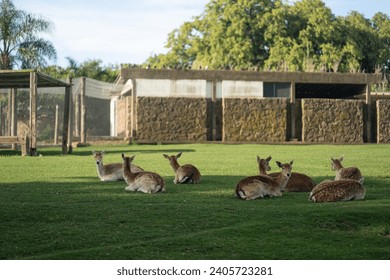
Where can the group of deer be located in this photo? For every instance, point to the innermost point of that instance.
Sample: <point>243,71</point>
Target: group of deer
<point>140,180</point>
<point>347,185</point>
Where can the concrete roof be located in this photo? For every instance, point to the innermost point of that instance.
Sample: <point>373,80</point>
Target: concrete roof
<point>307,85</point>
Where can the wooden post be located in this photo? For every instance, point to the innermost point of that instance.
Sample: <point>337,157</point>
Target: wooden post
<point>292,106</point>
<point>1,118</point>
<point>133,132</point>
<point>8,120</point>
<point>33,113</point>
<point>213,111</point>
<point>70,126</point>
<point>56,127</point>
<point>65,125</point>
<point>13,115</point>
<point>83,133</point>
<point>76,107</point>
<point>368,115</point>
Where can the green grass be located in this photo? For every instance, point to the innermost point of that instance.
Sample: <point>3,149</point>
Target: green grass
<point>54,207</point>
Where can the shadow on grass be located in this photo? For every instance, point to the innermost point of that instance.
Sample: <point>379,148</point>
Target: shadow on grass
<point>7,153</point>
<point>108,150</point>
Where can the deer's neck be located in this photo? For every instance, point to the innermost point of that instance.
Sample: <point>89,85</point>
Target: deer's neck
<point>100,168</point>
<point>175,165</point>
<point>128,175</point>
<point>282,181</point>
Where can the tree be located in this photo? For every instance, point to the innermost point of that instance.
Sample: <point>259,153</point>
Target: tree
<point>276,35</point>
<point>20,44</point>
<point>227,34</point>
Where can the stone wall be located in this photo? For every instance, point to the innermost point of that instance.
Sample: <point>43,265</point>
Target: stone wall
<point>383,120</point>
<point>332,121</point>
<point>253,119</point>
<point>172,119</point>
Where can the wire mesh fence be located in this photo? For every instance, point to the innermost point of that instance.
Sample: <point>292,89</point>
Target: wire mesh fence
<point>88,95</point>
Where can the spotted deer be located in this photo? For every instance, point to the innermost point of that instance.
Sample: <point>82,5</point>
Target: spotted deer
<point>184,174</point>
<point>260,186</point>
<point>340,190</point>
<point>143,181</point>
<point>264,165</point>
<point>112,171</point>
<point>345,172</point>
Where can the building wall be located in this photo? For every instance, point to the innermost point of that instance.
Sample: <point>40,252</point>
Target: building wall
<point>254,120</point>
<point>172,119</point>
<point>383,120</point>
<point>332,121</point>
<point>207,108</point>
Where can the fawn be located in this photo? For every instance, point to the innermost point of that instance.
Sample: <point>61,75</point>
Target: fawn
<point>345,173</point>
<point>143,181</point>
<point>184,174</point>
<point>260,186</point>
<point>340,190</point>
<point>112,171</point>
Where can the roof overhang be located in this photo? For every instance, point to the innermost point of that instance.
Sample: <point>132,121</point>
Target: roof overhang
<point>21,79</point>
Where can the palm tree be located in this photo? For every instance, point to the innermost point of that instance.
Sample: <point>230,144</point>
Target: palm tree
<point>20,44</point>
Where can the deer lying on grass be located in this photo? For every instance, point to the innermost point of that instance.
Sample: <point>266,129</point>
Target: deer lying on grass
<point>112,171</point>
<point>345,173</point>
<point>184,174</point>
<point>298,182</point>
<point>143,181</point>
<point>260,186</point>
<point>340,190</point>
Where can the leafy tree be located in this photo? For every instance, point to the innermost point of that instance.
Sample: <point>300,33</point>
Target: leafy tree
<point>20,44</point>
<point>227,34</point>
<point>275,35</point>
<point>90,68</point>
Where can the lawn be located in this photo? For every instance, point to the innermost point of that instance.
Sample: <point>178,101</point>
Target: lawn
<point>55,207</point>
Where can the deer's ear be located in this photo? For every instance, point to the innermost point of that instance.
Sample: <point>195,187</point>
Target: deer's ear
<point>341,158</point>
<point>279,164</point>
<point>291,162</point>
<point>268,159</point>
<point>179,155</point>
<point>258,159</point>
<point>123,155</point>
<point>166,156</point>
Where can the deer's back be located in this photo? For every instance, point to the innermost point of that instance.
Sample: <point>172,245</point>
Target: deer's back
<point>189,170</point>
<point>349,173</point>
<point>341,190</point>
<point>298,182</point>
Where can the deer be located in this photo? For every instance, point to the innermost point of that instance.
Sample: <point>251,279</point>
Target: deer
<point>112,171</point>
<point>264,165</point>
<point>298,182</point>
<point>184,174</point>
<point>338,190</point>
<point>259,186</point>
<point>143,181</point>
<point>345,172</point>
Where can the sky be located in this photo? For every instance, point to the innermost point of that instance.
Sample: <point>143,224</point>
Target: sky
<point>130,31</point>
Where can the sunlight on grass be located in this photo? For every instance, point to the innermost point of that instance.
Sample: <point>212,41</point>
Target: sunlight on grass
<point>55,207</point>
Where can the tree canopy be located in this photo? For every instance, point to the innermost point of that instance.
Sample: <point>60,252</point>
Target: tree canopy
<point>20,42</point>
<point>276,35</point>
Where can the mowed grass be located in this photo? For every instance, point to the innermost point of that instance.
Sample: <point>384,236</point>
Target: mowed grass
<point>55,207</point>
